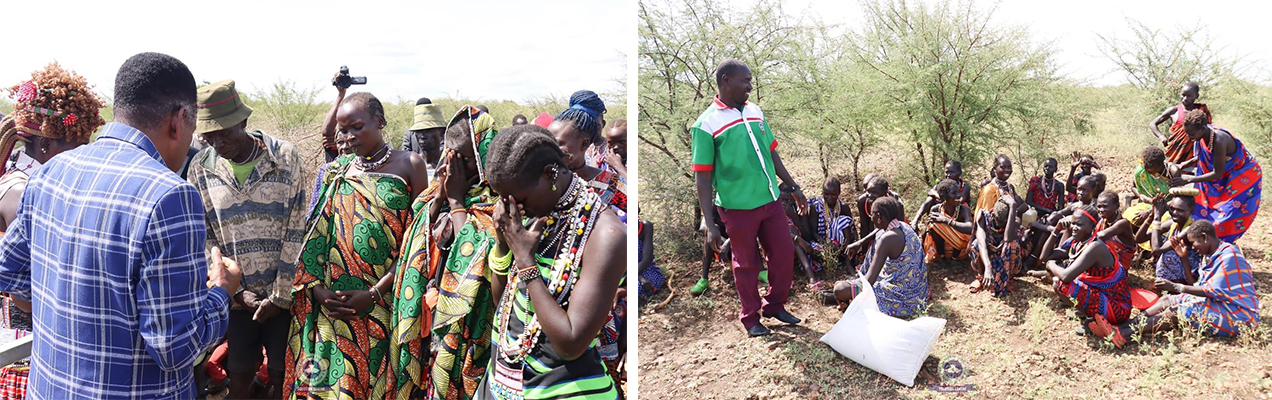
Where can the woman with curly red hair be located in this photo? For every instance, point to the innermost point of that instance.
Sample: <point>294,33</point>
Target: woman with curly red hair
<point>55,111</point>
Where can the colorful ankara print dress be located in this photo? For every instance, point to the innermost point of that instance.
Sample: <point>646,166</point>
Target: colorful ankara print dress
<point>1179,147</point>
<point>533,370</point>
<point>353,239</point>
<point>443,309</point>
<point>1232,201</point>
<point>1231,303</point>
<point>1099,290</point>
<point>902,286</point>
<point>1005,258</point>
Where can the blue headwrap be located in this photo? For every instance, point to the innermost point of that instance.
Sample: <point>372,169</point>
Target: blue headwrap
<point>585,110</point>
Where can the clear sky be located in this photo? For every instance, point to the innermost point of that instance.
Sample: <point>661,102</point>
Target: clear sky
<point>488,50</point>
<point>1071,26</point>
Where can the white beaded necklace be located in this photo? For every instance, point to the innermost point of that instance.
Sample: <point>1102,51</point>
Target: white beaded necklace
<point>573,221</point>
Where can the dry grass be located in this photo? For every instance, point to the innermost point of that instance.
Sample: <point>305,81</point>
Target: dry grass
<point>1022,346</point>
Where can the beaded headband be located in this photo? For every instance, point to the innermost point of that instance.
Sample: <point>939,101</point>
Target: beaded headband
<point>67,118</point>
<point>28,91</point>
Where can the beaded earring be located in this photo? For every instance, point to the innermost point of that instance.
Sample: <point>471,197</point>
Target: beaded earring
<point>554,178</point>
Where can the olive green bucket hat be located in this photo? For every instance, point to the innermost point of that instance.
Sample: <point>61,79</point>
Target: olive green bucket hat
<point>220,107</point>
<point>428,116</point>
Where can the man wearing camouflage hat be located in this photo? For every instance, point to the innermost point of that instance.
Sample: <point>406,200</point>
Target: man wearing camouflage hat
<point>425,135</point>
<point>254,193</point>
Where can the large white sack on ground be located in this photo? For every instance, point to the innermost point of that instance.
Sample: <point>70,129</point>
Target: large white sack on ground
<point>886,344</point>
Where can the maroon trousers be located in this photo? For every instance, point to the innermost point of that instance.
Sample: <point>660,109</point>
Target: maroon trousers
<point>748,230</point>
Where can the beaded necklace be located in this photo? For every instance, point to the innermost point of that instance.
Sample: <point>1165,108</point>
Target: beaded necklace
<point>571,224</point>
<point>367,165</point>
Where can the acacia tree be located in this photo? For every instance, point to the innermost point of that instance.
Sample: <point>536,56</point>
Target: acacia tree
<point>1159,63</point>
<point>958,84</point>
<point>680,45</point>
<point>829,100</point>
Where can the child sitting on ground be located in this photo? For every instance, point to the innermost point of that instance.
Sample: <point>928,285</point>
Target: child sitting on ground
<point>1045,196</point>
<point>953,172</point>
<point>1045,192</point>
<point>950,226</point>
<point>1222,302</point>
<point>1086,163</point>
<point>1087,273</point>
<point>875,187</point>
<point>1116,232</point>
<point>1088,187</point>
<point>803,249</point>
<point>833,217</point>
<point>1171,227</point>
<point>651,277</point>
<point>995,251</point>
<point>1152,176</point>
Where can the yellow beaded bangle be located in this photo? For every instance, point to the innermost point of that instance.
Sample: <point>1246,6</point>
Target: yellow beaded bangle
<point>500,265</point>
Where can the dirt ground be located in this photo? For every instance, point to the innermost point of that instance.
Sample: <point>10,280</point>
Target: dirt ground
<point>1023,346</point>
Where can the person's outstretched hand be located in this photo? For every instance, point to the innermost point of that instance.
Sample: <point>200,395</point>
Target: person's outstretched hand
<point>801,202</point>
<point>224,273</point>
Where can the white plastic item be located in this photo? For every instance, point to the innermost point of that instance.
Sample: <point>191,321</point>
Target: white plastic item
<point>886,344</point>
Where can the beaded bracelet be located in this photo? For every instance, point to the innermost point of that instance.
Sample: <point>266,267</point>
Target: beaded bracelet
<point>529,274</point>
<point>377,296</point>
<point>500,265</point>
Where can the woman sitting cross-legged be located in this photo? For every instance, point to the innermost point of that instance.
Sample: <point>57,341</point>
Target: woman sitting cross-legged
<point>1089,273</point>
<point>896,270</point>
<point>1222,302</point>
<point>950,224</point>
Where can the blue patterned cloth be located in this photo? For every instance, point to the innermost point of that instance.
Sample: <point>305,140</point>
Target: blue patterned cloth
<point>902,285</point>
<point>653,274</point>
<point>1170,267</point>
<point>110,242</point>
<point>830,222</point>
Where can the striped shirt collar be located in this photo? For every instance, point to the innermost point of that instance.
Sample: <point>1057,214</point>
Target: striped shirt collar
<point>119,131</point>
<point>721,106</point>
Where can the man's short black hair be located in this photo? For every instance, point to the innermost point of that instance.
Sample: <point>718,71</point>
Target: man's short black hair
<point>519,117</point>
<point>728,67</point>
<point>423,100</point>
<point>1193,85</point>
<point>150,85</point>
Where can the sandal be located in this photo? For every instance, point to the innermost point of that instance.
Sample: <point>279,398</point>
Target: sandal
<point>1102,328</point>
<point>978,285</point>
<point>817,286</point>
